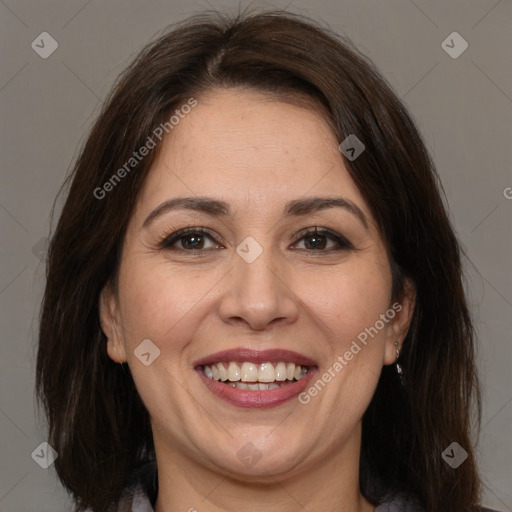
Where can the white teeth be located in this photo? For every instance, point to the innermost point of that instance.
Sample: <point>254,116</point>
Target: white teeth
<point>249,372</point>
<point>266,373</point>
<point>255,376</point>
<point>270,385</point>
<point>280,371</point>
<point>223,374</point>
<point>233,372</point>
<point>261,385</point>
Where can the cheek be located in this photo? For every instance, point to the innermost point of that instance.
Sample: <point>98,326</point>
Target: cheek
<point>161,302</point>
<point>349,299</point>
<point>350,308</point>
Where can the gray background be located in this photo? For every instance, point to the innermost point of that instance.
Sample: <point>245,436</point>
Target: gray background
<point>463,107</point>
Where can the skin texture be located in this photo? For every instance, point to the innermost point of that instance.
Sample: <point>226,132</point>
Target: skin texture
<point>255,153</point>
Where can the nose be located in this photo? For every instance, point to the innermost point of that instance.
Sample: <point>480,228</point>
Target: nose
<point>258,294</point>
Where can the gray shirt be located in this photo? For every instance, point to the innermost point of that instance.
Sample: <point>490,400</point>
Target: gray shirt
<point>138,501</point>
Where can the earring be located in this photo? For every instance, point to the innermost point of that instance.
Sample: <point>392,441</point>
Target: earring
<point>398,367</point>
<point>120,363</point>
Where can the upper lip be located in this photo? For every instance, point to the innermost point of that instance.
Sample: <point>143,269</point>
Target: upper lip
<point>256,356</point>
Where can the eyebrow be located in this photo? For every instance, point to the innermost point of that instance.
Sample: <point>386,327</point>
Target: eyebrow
<point>217,208</point>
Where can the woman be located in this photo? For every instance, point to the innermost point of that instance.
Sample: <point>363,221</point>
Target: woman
<point>254,295</point>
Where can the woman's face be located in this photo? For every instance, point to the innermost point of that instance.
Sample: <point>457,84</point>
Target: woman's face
<point>252,277</point>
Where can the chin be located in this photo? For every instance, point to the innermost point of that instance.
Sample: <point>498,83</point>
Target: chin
<point>262,458</point>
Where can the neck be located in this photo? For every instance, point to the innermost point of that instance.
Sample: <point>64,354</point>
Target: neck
<point>330,484</point>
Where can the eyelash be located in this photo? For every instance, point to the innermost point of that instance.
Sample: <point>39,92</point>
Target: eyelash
<point>168,242</point>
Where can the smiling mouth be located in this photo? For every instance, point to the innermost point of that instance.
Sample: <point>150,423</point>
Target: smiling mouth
<point>255,377</point>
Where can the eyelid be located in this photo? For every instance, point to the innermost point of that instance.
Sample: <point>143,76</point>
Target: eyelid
<point>342,241</point>
<point>168,241</point>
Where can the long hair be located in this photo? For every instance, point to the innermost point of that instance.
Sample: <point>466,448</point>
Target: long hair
<point>97,421</point>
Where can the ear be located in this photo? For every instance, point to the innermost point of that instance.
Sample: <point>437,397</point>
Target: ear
<point>109,319</point>
<point>399,324</point>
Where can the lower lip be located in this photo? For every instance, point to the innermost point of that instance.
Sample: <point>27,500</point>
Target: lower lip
<point>257,399</point>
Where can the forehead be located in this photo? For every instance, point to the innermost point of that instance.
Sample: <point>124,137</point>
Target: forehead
<point>254,151</point>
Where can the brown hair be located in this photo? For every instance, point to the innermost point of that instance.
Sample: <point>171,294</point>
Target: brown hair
<point>97,421</point>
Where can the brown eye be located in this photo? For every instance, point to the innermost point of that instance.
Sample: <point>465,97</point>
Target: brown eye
<point>324,240</point>
<point>316,241</point>
<point>194,241</point>
<point>189,240</point>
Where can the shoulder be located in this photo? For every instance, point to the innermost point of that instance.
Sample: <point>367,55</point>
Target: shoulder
<point>141,490</point>
<point>134,500</point>
<point>399,502</point>
<point>403,502</point>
